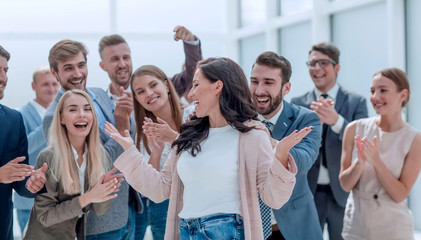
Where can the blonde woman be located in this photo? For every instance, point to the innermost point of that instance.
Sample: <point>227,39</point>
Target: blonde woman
<point>76,179</point>
<point>380,164</point>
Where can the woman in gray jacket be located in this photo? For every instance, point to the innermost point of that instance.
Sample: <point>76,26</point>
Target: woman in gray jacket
<point>76,179</point>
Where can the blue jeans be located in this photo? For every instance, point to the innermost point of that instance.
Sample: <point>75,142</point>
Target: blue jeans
<point>23,217</point>
<point>218,226</point>
<point>125,233</point>
<point>154,215</point>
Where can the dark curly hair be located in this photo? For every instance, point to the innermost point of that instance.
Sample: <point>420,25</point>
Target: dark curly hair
<point>234,102</point>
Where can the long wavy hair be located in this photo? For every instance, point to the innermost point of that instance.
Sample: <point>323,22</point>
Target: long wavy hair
<point>63,167</point>
<point>235,104</point>
<point>140,112</point>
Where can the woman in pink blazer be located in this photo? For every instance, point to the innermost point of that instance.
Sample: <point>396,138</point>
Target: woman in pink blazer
<point>218,165</point>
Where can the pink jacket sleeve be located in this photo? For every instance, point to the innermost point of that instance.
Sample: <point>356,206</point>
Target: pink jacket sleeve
<point>143,177</point>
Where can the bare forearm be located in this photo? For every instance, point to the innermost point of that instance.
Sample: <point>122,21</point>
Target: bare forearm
<point>396,189</point>
<point>84,200</point>
<point>349,177</point>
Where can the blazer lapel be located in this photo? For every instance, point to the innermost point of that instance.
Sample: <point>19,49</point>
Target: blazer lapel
<point>3,125</point>
<point>284,121</point>
<point>340,99</point>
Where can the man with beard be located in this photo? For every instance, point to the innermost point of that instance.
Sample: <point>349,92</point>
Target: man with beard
<point>14,168</point>
<point>269,83</point>
<point>336,108</point>
<point>68,64</point>
<point>117,62</point>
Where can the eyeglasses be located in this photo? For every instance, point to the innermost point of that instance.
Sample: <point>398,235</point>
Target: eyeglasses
<point>322,63</point>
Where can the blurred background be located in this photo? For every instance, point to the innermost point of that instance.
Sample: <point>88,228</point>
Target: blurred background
<point>371,34</point>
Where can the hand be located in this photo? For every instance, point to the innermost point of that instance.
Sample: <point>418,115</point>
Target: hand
<point>156,146</point>
<point>370,150</point>
<point>37,180</point>
<point>360,152</point>
<point>160,131</point>
<point>288,142</point>
<point>326,111</point>
<point>101,192</point>
<point>111,175</point>
<point>125,141</point>
<point>13,171</point>
<point>182,33</point>
<point>123,109</point>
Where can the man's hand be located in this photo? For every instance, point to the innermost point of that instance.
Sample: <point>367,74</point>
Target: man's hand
<point>37,180</point>
<point>13,171</point>
<point>326,111</point>
<point>182,33</point>
<point>123,109</point>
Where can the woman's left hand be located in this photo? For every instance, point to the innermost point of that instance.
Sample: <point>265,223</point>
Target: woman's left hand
<point>370,150</point>
<point>288,142</point>
<point>160,131</point>
<point>125,141</point>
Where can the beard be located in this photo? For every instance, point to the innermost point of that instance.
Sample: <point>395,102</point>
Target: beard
<point>274,104</point>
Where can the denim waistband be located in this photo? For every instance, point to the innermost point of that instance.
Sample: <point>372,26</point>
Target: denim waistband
<point>213,217</point>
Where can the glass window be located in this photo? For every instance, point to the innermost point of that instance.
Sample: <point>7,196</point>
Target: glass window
<point>250,48</point>
<point>79,16</point>
<point>294,44</point>
<point>413,48</point>
<point>361,36</point>
<point>288,7</point>
<point>252,12</point>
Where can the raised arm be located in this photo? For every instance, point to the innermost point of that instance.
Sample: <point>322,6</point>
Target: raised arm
<point>193,52</point>
<point>351,171</point>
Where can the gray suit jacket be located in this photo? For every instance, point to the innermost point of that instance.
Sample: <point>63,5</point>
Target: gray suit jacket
<point>350,106</point>
<point>55,213</point>
<point>116,217</point>
<point>36,143</point>
<point>298,219</point>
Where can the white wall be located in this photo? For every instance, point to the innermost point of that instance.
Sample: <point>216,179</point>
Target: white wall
<point>30,28</point>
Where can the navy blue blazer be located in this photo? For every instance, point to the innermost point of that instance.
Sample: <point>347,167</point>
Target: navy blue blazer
<point>298,219</point>
<point>13,143</point>
<point>350,106</point>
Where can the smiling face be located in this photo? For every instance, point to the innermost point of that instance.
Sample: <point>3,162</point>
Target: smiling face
<point>72,73</point>
<point>3,75</point>
<point>324,78</point>
<point>45,87</point>
<point>77,117</point>
<point>117,62</point>
<point>385,97</point>
<point>267,90</point>
<point>151,92</point>
<point>205,94</point>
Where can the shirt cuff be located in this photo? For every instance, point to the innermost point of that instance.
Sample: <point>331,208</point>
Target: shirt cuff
<point>338,125</point>
<point>194,43</point>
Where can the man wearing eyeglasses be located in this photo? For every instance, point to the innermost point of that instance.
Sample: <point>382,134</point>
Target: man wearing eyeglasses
<point>336,107</point>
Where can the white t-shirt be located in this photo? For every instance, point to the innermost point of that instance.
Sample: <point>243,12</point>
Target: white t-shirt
<point>211,178</point>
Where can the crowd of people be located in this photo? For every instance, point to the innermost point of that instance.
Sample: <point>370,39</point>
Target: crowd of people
<point>206,154</point>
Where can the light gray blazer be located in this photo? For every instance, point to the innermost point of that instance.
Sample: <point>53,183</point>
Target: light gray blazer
<point>36,143</point>
<point>117,215</point>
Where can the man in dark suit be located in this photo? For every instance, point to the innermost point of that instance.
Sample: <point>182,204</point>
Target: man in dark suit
<point>68,64</point>
<point>14,168</point>
<point>269,83</point>
<point>336,107</point>
<point>45,87</point>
